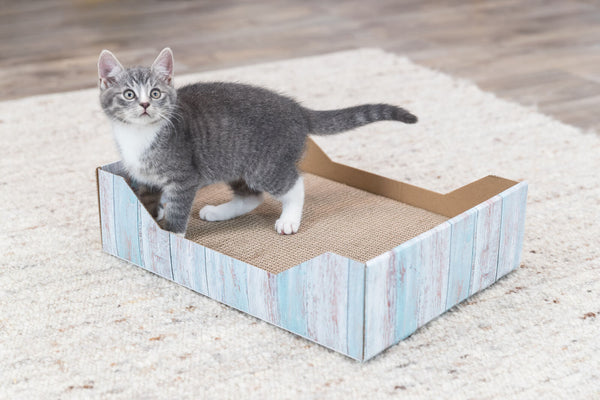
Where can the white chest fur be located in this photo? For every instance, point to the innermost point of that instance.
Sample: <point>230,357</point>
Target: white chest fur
<point>133,142</point>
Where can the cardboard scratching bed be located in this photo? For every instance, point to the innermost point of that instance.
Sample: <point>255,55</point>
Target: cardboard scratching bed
<point>373,261</point>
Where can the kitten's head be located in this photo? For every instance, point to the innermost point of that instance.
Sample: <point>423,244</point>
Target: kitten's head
<point>139,95</point>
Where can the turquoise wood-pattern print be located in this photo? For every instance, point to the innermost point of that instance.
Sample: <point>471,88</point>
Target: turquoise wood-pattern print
<point>407,260</point>
<point>188,264</point>
<point>433,273</point>
<point>126,221</point>
<point>461,256</point>
<point>487,242</point>
<point>156,246</point>
<point>381,296</point>
<point>327,300</point>
<point>107,211</point>
<point>322,300</point>
<point>391,296</point>
<point>513,228</point>
<point>420,279</point>
<point>405,288</point>
<point>291,295</point>
<point>356,309</point>
<point>309,309</point>
<point>227,280</point>
<point>263,295</point>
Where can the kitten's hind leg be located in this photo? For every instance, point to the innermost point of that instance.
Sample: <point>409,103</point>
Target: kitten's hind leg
<point>292,203</point>
<point>244,200</point>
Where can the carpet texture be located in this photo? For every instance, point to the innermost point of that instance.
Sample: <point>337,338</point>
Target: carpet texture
<point>77,323</point>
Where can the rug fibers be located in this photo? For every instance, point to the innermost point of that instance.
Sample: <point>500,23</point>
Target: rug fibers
<point>77,323</point>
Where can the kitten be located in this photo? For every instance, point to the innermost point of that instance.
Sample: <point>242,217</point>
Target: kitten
<point>175,141</point>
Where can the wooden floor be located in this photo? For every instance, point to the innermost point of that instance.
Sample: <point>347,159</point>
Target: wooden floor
<point>536,52</point>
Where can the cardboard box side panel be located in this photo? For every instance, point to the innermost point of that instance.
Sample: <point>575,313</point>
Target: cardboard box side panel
<point>420,279</point>
<point>356,309</point>
<point>188,264</point>
<point>487,242</point>
<point>512,229</point>
<point>107,212</point>
<point>126,221</point>
<point>417,281</point>
<point>155,245</point>
<point>263,295</point>
<point>433,274</point>
<point>227,280</point>
<point>312,299</point>
<point>322,300</point>
<point>327,301</point>
<point>392,295</point>
<point>291,295</point>
<point>461,256</point>
<point>406,305</point>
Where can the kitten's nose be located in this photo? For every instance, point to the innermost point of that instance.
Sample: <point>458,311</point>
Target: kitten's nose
<point>145,105</point>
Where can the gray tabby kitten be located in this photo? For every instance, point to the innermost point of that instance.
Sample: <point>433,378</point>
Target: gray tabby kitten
<point>175,141</point>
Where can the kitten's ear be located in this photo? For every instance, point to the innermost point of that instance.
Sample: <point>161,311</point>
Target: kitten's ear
<point>163,65</point>
<point>108,68</point>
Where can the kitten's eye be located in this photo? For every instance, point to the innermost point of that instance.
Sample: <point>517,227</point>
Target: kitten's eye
<point>128,94</point>
<point>155,94</point>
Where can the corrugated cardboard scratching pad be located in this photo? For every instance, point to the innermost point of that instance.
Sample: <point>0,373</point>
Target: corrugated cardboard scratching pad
<point>337,218</point>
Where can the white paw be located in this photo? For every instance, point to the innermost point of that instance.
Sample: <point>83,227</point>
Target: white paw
<point>286,226</point>
<point>210,213</point>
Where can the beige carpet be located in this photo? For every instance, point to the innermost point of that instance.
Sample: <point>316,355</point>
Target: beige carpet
<point>77,323</point>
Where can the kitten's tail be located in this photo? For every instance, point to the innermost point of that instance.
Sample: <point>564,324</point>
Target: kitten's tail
<point>335,121</point>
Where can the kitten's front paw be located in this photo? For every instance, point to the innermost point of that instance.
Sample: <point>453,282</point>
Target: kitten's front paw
<point>286,226</point>
<point>164,225</point>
